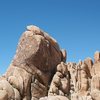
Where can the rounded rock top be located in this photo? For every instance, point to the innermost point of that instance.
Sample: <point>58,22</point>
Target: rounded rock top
<point>33,28</point>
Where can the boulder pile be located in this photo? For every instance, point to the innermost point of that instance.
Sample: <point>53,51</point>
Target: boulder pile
<point>39,71</point>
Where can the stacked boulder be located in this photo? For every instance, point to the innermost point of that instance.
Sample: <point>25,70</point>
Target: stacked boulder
<point>32,68</point>
<point>39,71</point>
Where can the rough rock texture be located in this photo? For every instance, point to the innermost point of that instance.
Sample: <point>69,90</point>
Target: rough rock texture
<point>60,84</point>
<point>54,98</point>
<point>39,71</point>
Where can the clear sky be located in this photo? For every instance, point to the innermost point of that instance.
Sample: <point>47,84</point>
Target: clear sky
<point>75,24</point>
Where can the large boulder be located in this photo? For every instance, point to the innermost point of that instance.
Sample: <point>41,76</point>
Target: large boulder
<point>33,66</point>
<point>37,50</point>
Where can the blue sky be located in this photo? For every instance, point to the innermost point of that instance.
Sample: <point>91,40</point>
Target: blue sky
<point>75,24</point>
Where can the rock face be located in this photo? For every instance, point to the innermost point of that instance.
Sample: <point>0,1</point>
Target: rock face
<point>60,84</point>
<point>39,71</point>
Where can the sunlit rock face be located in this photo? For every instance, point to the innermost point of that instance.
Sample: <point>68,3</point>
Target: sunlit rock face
<point>39,71</point>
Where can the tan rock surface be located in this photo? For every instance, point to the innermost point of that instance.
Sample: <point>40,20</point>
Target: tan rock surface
<point>39,71</point>
<point>60,84</point>
<point>97,56</point>
<point>54,98</point>
<point>29,75</point>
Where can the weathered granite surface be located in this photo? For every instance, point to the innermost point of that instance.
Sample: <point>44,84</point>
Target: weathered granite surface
<point>39,71</point>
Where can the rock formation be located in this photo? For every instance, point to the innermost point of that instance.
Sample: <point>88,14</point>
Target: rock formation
<point>60,84</point>
<point>39,71</point>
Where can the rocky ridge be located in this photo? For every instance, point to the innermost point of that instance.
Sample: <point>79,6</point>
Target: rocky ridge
<point>39,71</point>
